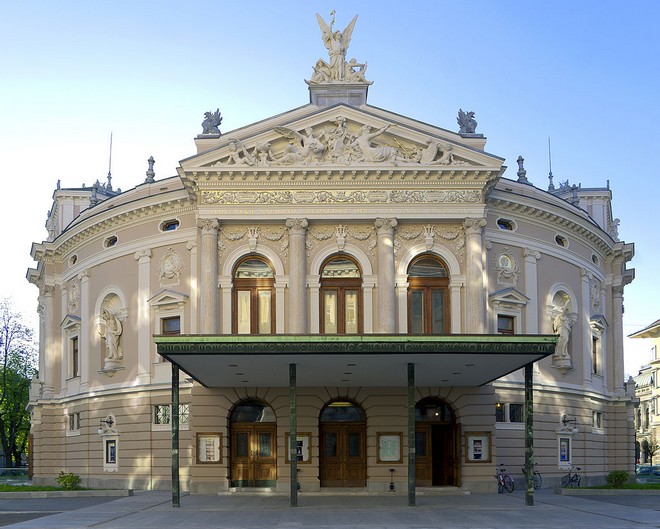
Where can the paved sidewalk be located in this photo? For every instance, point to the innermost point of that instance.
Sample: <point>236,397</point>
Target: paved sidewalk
<point>147,510</point>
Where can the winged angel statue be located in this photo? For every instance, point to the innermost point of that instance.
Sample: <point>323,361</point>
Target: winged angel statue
<point>337,44</point>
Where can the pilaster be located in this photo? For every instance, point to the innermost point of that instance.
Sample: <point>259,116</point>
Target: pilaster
<point>476,298</point>
<point>386,291</point>
<point>143,258</point>
<point>297,275</point>
<point>208,295</point>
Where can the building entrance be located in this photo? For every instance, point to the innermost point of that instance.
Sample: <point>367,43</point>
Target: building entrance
<point>342,432</point>
<point>437,444</point>
<point>253,446</point>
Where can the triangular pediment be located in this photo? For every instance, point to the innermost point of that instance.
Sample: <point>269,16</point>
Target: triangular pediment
<point>341,136</point>
<point>167,297</point>
<point>70,322</point>
<point>508,297</point>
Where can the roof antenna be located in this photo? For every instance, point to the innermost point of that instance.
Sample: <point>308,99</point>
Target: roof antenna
<point>551,186</point>
<point>109,185</point>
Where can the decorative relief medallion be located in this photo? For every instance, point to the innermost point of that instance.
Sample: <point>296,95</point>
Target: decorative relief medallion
<point>506,267</point>
<point>170,267</point>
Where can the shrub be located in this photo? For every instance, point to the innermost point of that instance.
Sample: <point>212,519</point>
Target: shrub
<point>68,480</point>
<point>617,478</point>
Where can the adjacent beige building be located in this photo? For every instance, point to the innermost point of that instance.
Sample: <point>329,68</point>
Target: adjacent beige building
<point>317,272</point>
<point>647,391</point>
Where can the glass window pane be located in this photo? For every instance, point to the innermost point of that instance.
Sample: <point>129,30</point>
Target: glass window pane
<point>330,311</point>
<point>505,324</point>
<point>420,444</point>
<point>342,412</point>
<point>171,325</point>
<point>438,307</point>
<point>331,444</point>
<point>354,444</point>
<point>515,413</point>
<point>264,312</point>
<point>427,267</point>
<point>253,269</point>
<point>351,311</point>
<point>340,268</point>
<point>499,412</point>
<point>242,445</point>
<point>243,311</point>
<point>417,311</point>
<point>265,444</point>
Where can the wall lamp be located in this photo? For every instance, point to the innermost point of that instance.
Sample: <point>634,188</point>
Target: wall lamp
<point>105,424</point>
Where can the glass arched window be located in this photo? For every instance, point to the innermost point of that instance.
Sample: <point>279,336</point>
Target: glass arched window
<point>254,297</point>
<point>428,296</point>
<point>341,298</point>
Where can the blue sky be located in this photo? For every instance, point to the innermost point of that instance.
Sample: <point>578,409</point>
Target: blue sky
<point>583,73</point>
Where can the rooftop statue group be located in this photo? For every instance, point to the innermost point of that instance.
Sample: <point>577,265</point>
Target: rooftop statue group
<point>338,69</point>
<point>337,144</point>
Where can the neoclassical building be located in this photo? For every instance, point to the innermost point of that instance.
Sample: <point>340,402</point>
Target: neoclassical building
<point>334,297</point>
<point>647,390</point>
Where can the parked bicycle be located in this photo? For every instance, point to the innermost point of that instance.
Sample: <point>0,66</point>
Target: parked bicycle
<point>572,479</point>
<point>538,480</point>
<point>504,481</point>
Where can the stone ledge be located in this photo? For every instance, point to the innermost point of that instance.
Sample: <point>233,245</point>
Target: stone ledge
<point>65,494</point>
<point>606,492</point>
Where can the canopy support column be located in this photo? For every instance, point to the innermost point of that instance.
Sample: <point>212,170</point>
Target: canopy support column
<point>529,435</point>
<point>293,435</point>
<point>411,435</point>
<point>176,489</point>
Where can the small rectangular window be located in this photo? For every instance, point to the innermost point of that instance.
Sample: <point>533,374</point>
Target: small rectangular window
<point>171,325</point>
<point>516,413</point>
<point>74,421</point>
<point>594,355</point>
<point>597,419</point>
<point>505,324</point>
<point>74,357</point>
<point>500,412</point>
<point>162,414</point>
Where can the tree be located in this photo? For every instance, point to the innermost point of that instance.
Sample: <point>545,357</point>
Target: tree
<point>17,367</point>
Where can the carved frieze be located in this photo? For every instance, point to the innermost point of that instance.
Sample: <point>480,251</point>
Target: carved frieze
<point>340,197</point>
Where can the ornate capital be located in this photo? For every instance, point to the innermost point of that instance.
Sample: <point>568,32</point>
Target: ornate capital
<point>84,275</point>
<point>297,226</point>
<point>143,254</point>
<point>474,226</point>
<point>385,226</point>
<point>531,254</point>
<point>208,226</point>
<point>48,291</point>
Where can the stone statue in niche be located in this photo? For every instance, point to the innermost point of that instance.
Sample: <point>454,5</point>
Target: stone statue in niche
<point>111,330</point>
<point>211,122</point>
<point>466,122</point>
<point>563,319</point>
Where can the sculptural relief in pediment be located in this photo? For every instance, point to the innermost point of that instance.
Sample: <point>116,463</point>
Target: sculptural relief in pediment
<point>338,141</point>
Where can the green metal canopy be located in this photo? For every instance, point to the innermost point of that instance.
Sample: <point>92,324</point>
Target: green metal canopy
<point>365,360</point>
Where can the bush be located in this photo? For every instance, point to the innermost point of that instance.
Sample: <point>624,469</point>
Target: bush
<point>68,480</point>
<point>617,478</point>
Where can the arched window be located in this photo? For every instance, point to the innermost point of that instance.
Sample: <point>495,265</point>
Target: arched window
<point>428,296</point>
<point>254,297</point>
<point>341,296</point>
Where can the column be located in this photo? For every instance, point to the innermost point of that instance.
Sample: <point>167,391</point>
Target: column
<point>84,343</point>
<point>476,296</point>
<point>208,296</point>
<point>176,486</point>
<point>386,291</point>
<point>529,435</point>
<point>48,296</point>
<point>143,258</point>
<point>412,455</point>
<point>297,276</point>
<point>617,338</point>
<point>293,434</point>
<point>194,287</point>
<point>585,317</point>
<point>531,291</point>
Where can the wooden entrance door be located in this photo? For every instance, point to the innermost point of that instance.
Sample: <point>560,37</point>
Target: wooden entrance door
<point>437,460</point>
<point>253,455</point>
<point>343,461</point>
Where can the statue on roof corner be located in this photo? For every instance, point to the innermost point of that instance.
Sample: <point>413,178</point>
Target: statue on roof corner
<point>466,122</point>
<point>211,122</point>
<point>338,69</point>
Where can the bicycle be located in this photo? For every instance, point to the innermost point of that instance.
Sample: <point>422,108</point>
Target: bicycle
<point>572,479</point>
<point>504,481</point>
<point>538,480</point>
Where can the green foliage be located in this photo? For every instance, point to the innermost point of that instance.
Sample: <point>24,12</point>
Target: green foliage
<point>17,367</point>
<point>617,478</point>
<point>68,480</point>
